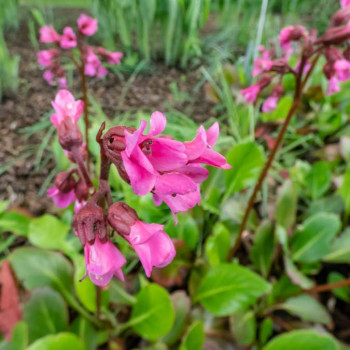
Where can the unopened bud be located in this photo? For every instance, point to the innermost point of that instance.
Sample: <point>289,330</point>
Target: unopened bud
<point>69,135</point>
<point>335,36</point>
<point>328,70</point>
<point>89,222</point>
<point>346,53</point>
<point>121,217</point>
<point>333,54</point>
<point>81,191</point>
<point>280,66</point>
<point>264,81</point>
<point>65,181</point>
<point>341,17</point>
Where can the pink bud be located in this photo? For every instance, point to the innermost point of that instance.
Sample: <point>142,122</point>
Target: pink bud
<point>87,25</point>
<point>251,93</point>
<point>333,86</point>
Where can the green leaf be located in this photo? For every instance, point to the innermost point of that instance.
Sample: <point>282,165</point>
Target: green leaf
<point>318,180</point>
<point>153,314</point>
<point>39,268</point>
<point>62,341</point>
<point>307,308</point>
<point>311,243</point>
<point>243,327</point>
<point>15,222</point>
<point>266,330</point>
<point>228,288</point>
<point>344,191</point>
<point>194,337</point>
<point>46,313</point>
<point>246,160</point>
<point>261,253</point>
<point>286,205</point>
<point>19,337</point>
<point>218,245</point>
<point>48,232</point>
<point>302,340</point>
<point>182,305</point>
<point>339,249</point>
<point>3,206</point>
<point>342,293</point>
<point>281,111</point>
<point>85,331</point>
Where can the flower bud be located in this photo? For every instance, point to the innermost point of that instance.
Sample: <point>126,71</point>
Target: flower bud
<point>328,70</point>
<point>65,181</point>
<point>81,191</point>
<point>69,135</point>
<point>341,17</point>
<point>280,66</point>
<point>264,81</point>
<point>121,217</point>
<point>335,36</point>
<point>333,54</point>
<point>89,222</point>
<point>346,53</point>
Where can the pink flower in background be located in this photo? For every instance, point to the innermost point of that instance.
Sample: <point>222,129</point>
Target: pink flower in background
<point>45,57</point>
<point>250,94</point>
<point>270,104</point>
<point>112,57</point>
<point>284,39</point>
<point>103,261</point>
<point>68,39</point>
<point>49,35</point>
<point>333,86</point>
<point>342,69</point>
<point>344,3</point>
<point>66,106</point>
<point>153,246</point>
<point>87,25</point>
<point>60,199</point>
<point>62,82</point>
<point>48,77</point>
<point>261,65</point>
<point>93,66</point>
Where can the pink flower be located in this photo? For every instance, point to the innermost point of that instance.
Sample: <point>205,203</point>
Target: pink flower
<point>342,69</point>
<point>93,66</point>
<point>261,65</point>
<point>87,25</point>
<point>48,34</point>
<point>112,57</point>
<point>250,94</point>
<point>61,200</point>
<point>153,246</point>
<point>344,3</point>
<point>284,38</point>
<point>68,39</point>
<point>48,77</point>
<point>62,82</point>
<point>103,261</point>
<point>270,104</point>
<point>333,86</point>
<point>66,106</point>
<point>45,57</point>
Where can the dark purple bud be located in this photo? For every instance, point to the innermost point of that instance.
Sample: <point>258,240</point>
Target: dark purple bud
<point>69,135</point>
<point>328,70</point>
<point>280,66</point>
<point>341,17</point>
<point>81,191</point>
<point>333,54</point>
<point>264,81</point>
<point>335,36</point>
<point>65,181</point>
<point>89,222</point>
<point>121,217</point>
<point>346,53</point>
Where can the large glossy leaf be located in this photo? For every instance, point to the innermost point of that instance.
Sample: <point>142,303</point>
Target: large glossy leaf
<point>153,314</point>
<point>302,340</point>
<point>307,308</point>
<point>61,341</point>
<point>311,243</point>
<point>246,160</point>
<point>228,288</point>
<point>45,313</point>
<point>38,268</point>
<point>48,232</point>
<point>194,337</point>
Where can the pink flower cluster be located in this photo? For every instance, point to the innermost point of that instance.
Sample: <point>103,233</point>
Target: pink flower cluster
<point>90,55</point>
<point>152,163</point>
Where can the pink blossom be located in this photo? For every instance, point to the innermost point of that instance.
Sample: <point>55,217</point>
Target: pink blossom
<point>261,65</point>
<point>153,246</point>
<point>61,200</point>
<point>270,104</point>
<point>284,38</point>
<point>344,3</point>
<point>333,86</point>
<point>342,69</point>
<point>66,106</point>
<point>62,82</point>
<point>250,94</point>
<point>48,77</point>
<point>93,66</point>
<point>45,57</point>
<point>78,205</point>
<point>68,39</point>
<point>112,57</point>
<point>48,34</point>
<point>87,25</point>
<point>103,261</point>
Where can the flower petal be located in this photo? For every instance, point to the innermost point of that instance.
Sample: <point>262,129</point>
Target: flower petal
<point>157,124</point>
<point>213,134</point>
<point>197,146</point>
<point>132,140</point>
<point>174,184</point>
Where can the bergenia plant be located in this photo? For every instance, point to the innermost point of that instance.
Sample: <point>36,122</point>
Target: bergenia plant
<point>275,62</point>
<point>152,162</point>
<point>88,59</point>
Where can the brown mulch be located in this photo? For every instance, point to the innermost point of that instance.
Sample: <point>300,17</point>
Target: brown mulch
<point>148,91</point>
